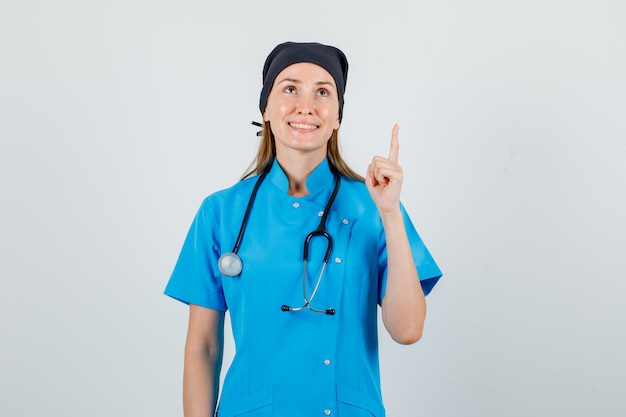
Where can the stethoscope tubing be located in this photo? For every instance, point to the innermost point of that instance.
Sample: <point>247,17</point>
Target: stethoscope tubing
<point>246,215</point>
<point>230,263</point>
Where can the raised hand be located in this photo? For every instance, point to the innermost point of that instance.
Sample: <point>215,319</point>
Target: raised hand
<point>384,177</point>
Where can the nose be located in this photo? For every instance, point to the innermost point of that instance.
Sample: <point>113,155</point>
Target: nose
<point>305,104</point>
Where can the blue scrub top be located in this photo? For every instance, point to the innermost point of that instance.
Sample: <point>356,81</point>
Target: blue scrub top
<point>296,363</point>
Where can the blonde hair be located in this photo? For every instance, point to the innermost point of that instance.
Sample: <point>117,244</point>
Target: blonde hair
<point>267,153</point>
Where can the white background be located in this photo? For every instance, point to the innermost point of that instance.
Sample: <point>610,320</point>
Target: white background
<point>118,117</point>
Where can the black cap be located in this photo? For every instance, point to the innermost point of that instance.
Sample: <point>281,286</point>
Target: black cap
<point>328,57</point>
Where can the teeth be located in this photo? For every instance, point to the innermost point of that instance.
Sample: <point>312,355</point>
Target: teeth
<point>302,126</point>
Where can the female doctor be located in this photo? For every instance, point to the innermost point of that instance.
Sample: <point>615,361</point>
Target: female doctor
<point>301,252</point>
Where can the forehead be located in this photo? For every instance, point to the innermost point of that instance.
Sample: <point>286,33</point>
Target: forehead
<point>305,72</point>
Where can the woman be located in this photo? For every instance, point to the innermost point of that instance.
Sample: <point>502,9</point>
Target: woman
<point>305,326</point>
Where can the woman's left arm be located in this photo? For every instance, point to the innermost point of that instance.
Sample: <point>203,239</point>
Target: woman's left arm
<point>404,304</point>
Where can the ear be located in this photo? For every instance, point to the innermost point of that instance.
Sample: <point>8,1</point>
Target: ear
<point>265,118</point>
<point>337,124</point>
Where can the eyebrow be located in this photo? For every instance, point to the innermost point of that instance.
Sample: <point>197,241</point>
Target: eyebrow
<point>295,81</point>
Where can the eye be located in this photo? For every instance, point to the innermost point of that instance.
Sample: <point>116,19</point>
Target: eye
<point>323,92</point>
<point>290,90</point>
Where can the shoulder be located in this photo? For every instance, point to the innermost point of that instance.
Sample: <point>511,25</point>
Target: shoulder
<point>353,188</point>
<point>353,196</point>
<point>229,197</point>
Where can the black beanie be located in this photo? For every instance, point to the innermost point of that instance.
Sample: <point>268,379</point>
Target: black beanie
<point>328,57</point>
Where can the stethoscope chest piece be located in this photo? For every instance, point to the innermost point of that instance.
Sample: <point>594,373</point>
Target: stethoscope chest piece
<point>230,264</point>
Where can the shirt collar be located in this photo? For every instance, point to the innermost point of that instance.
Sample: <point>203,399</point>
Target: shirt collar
<point>321,179</point>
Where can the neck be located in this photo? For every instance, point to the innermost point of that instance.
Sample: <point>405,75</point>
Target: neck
<point>297,170</point>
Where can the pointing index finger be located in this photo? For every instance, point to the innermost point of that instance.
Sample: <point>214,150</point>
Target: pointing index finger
<point>394,147</point>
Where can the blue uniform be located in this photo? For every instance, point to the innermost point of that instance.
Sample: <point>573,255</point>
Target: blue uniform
<point>296,363</point>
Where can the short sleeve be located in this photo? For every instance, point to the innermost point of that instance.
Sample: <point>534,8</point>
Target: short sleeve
<point>427,269</point>
<point>196,279</point>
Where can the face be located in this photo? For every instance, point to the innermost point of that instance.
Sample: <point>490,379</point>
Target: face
<point>303,109</point>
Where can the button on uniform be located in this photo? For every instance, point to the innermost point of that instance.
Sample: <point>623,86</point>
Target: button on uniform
<point>327,412</point>
<point>326,362</point>
<point>296,205</point>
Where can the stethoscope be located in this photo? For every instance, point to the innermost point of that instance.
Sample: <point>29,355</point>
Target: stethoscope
<point>230,263</point>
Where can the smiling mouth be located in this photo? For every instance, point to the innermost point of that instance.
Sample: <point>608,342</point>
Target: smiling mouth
<point>303,126</point>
